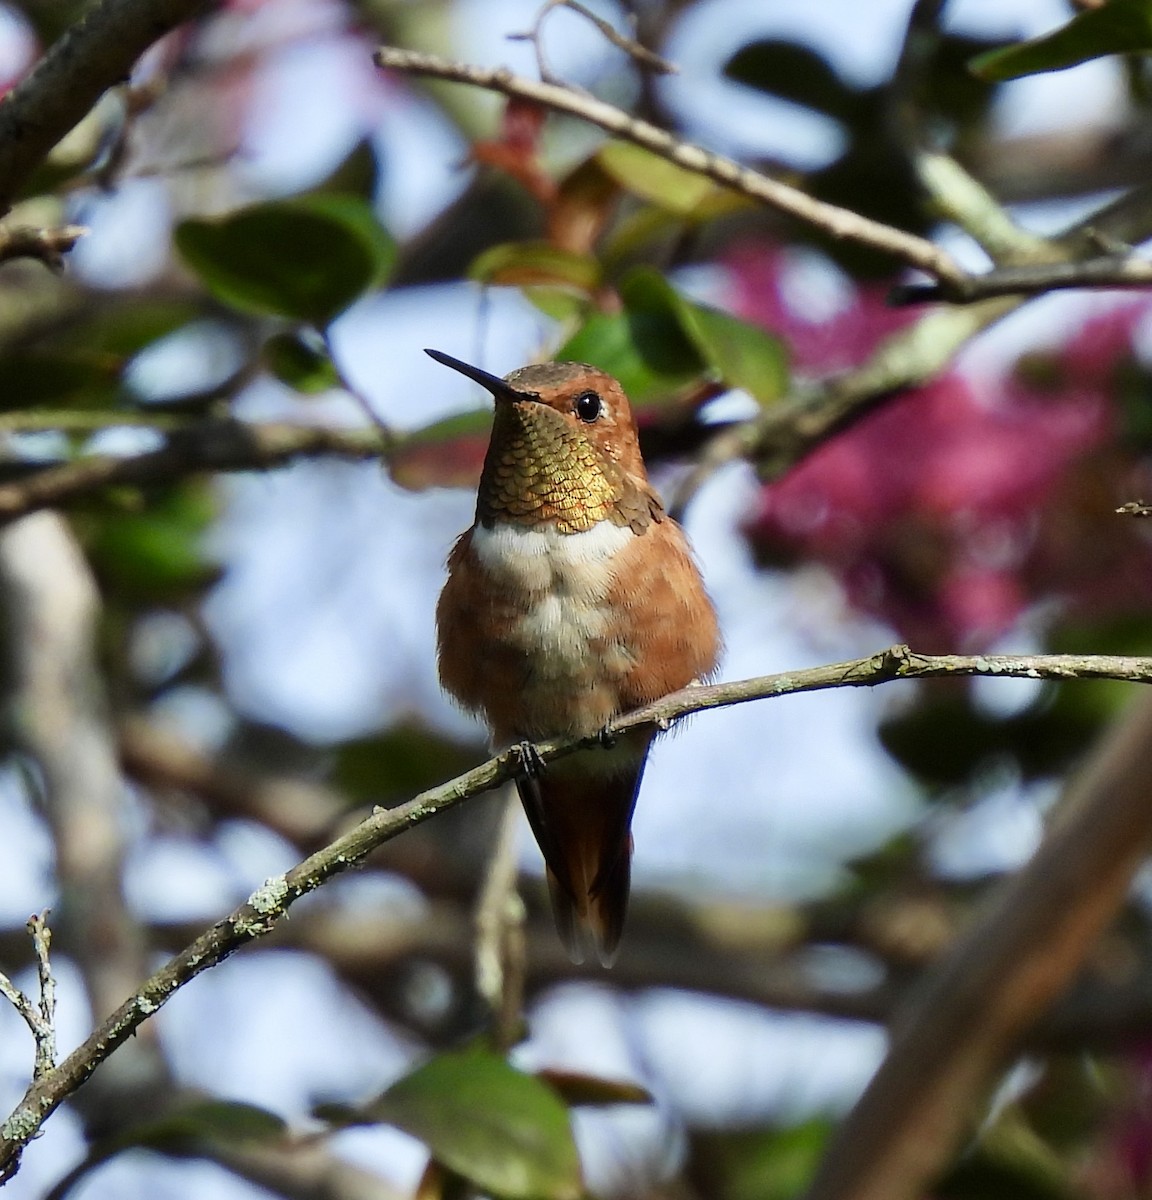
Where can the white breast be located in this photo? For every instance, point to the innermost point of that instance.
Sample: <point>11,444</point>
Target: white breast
<point>564,579</point>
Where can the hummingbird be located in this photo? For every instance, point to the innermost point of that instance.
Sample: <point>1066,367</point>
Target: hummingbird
<point>572,599</point>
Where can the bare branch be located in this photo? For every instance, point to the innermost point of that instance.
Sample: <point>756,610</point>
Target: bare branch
<point>92,55</point>
<point>1110,271</point>
<point>363,403</point>
<point>302,812</point>
<point>51,609</point>
<point>1135,508</point>
<point>301,1168</point>
<point>638,53</point>
<point>47,245</point>
<point>840,223</point>
<point>264,908</point>
<point>210,446</point>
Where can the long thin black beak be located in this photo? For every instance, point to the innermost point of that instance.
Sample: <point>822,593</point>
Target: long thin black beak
<point>497,386</point>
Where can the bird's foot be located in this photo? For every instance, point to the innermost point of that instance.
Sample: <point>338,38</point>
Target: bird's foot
<point>528,760</point>
<point>606,738</point>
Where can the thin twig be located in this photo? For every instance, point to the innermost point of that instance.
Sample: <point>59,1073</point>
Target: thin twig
<point>46,1040</point>
<point>639,53</point>
<point>365,405</point>
<point>47,245</point>
<point>1111,271</point>
<point>208,446</point>
<point>39,1015</point>
<point>1135,508</point>
<point>264,908</point>
<point>35,420</point>
<point>840,223</point>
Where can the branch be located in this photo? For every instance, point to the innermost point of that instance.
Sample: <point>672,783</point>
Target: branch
<point>48,245</point>
<point>640,54</point>
<point>51,610</point>
<point>300,1168</point>
<point>211,446</point>
<point>959,197</point>
<point>840,223</point>
<point>59,717</point>
<point>263,909</point>
<point>38,1015</point>
<point>93,55</point>
<point>1109,271</point>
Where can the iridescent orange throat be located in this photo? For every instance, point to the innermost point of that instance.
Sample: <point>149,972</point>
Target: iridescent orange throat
<point>540,470</point>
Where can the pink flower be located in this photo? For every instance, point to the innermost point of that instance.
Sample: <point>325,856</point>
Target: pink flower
<point>935,511</point>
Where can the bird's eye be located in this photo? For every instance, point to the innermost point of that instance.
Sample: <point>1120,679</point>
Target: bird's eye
<point>588,406</point>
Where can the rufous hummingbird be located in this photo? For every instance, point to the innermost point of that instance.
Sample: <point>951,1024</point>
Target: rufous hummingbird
<point>572,599</point>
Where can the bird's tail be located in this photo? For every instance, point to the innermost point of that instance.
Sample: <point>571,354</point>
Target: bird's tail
<point>582,822</point>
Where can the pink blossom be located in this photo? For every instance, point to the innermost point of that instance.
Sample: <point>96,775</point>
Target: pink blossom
<point>940,512</point>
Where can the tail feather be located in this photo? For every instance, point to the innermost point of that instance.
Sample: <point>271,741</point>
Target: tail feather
<point>582,823</point>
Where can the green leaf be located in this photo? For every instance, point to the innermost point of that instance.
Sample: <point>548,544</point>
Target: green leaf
<point>400,762</point>
<point>505,1131</point>
<point>793,72</point>
<point>759,1164</point>
<point>357,175</point>
<point>647,352</point>
<point>526,264</point>
<point>560,304</point>
<point>292,360</point>
<point>743,355</point>
<point>663,341</point>
<point>207,1120</point>
<point>155,554</point>
<point>653,178</point>
<point>180,1132</point>
<point>121,326</point>
<point>1117,27</point>
<point>308,258</point>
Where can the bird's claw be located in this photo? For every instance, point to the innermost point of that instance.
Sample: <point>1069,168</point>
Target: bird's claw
<point>528,760</point>
<point>606,738</point>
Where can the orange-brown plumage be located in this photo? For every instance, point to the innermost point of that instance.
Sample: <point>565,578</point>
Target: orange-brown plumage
<point>572,599</point>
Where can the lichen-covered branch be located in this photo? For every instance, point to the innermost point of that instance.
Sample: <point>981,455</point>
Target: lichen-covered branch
<point>39,1014</point>
<point>264,908</point>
